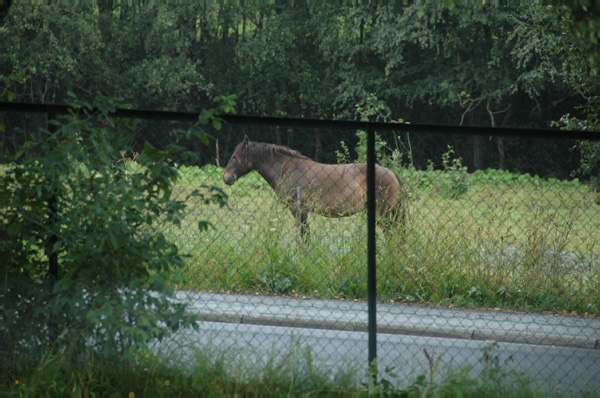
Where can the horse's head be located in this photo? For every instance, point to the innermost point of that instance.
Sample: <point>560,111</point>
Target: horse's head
<point>239,164</point>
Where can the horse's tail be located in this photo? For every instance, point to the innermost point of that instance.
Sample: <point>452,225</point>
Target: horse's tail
<point>395,212</point>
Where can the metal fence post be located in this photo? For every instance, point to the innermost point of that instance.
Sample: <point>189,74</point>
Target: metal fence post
<point>371,252</point>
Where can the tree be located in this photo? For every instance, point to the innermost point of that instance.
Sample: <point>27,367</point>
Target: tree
<point>485,65</point>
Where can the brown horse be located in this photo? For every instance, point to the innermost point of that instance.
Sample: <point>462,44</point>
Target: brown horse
<point>332,190</point>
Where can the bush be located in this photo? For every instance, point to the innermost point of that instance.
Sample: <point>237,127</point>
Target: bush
<point>86,263</point>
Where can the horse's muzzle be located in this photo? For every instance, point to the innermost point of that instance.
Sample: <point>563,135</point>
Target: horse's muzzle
<point>229,178</point>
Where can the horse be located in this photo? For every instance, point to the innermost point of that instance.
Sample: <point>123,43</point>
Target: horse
<point>303,185</point>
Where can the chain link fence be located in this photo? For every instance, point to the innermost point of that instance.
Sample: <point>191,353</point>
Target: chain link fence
<point>492,271</point>
<point>491,274</point>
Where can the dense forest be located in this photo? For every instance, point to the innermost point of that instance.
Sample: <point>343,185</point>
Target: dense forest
<point>497,66</point>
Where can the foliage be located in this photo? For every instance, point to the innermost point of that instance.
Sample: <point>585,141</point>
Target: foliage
<point>86,266</point>
<point>385,156</point>
<point>496,65</point>
<point>458,178</point>
<point>585,26</point>
<point>585,118</point>
<point>590,150</point>
<point>372,109</point>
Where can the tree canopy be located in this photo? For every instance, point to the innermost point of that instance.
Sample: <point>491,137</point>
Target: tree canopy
<point>495,65</point>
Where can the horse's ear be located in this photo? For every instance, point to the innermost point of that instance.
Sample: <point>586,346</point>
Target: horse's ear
<point>246,142</point>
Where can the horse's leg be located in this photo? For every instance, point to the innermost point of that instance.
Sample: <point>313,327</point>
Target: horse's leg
<point>301,216</point>
<point>303,226</point>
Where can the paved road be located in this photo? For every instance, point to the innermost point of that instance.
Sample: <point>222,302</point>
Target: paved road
<point>554,351</point>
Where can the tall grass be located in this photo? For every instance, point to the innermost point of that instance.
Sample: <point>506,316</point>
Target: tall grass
<point>205,372</point>
<point>507,240</point>
<point>192,371</point>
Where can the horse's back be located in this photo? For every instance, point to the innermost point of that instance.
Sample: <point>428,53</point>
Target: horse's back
<point>388,187</point>
<point>333,190</point>
<point>337,190</point>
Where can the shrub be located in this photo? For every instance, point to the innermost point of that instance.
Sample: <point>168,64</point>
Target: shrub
<point>86,265</point>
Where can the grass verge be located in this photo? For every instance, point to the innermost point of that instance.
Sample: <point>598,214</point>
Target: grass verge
<point>209,372</point>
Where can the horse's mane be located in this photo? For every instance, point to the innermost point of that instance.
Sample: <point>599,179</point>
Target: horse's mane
<point>271,151</point>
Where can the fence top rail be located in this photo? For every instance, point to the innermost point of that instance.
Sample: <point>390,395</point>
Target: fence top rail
<point>322,123</point>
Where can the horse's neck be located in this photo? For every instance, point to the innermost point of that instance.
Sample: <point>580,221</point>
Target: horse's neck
<point>272,171</point>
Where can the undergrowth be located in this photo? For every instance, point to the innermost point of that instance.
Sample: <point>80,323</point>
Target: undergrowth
<point>194,371</point>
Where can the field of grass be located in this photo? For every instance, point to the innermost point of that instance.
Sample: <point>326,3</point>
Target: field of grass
<point>491,239</point>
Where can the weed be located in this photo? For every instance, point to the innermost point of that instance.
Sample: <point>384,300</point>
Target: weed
<point>457,180</point>
<point>495,379</point>
<point>275,274</point>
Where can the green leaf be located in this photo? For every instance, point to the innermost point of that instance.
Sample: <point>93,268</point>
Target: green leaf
<point>151,154</point>
<point>20,76</point>
<point>204,226</point>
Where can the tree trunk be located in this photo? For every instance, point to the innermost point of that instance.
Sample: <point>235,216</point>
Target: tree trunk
<point>477,147</point>
<point>500,143</point>
<point>319,145</point>
<point>278,135</point>
<point>105,9</point>
<point>477,153</point>
<point>501,154</point>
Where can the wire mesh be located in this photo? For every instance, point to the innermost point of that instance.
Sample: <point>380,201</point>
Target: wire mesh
<point>463,281</point>
<point>487,273</point>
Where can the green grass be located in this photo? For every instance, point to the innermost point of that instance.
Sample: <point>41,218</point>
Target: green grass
<point>507,241</point>
<point>206,372</point>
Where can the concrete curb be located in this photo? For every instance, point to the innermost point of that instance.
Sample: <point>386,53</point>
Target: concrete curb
<point>399,319</point>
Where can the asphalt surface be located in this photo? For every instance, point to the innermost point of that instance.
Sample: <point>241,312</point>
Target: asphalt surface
<point>555,352</point>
